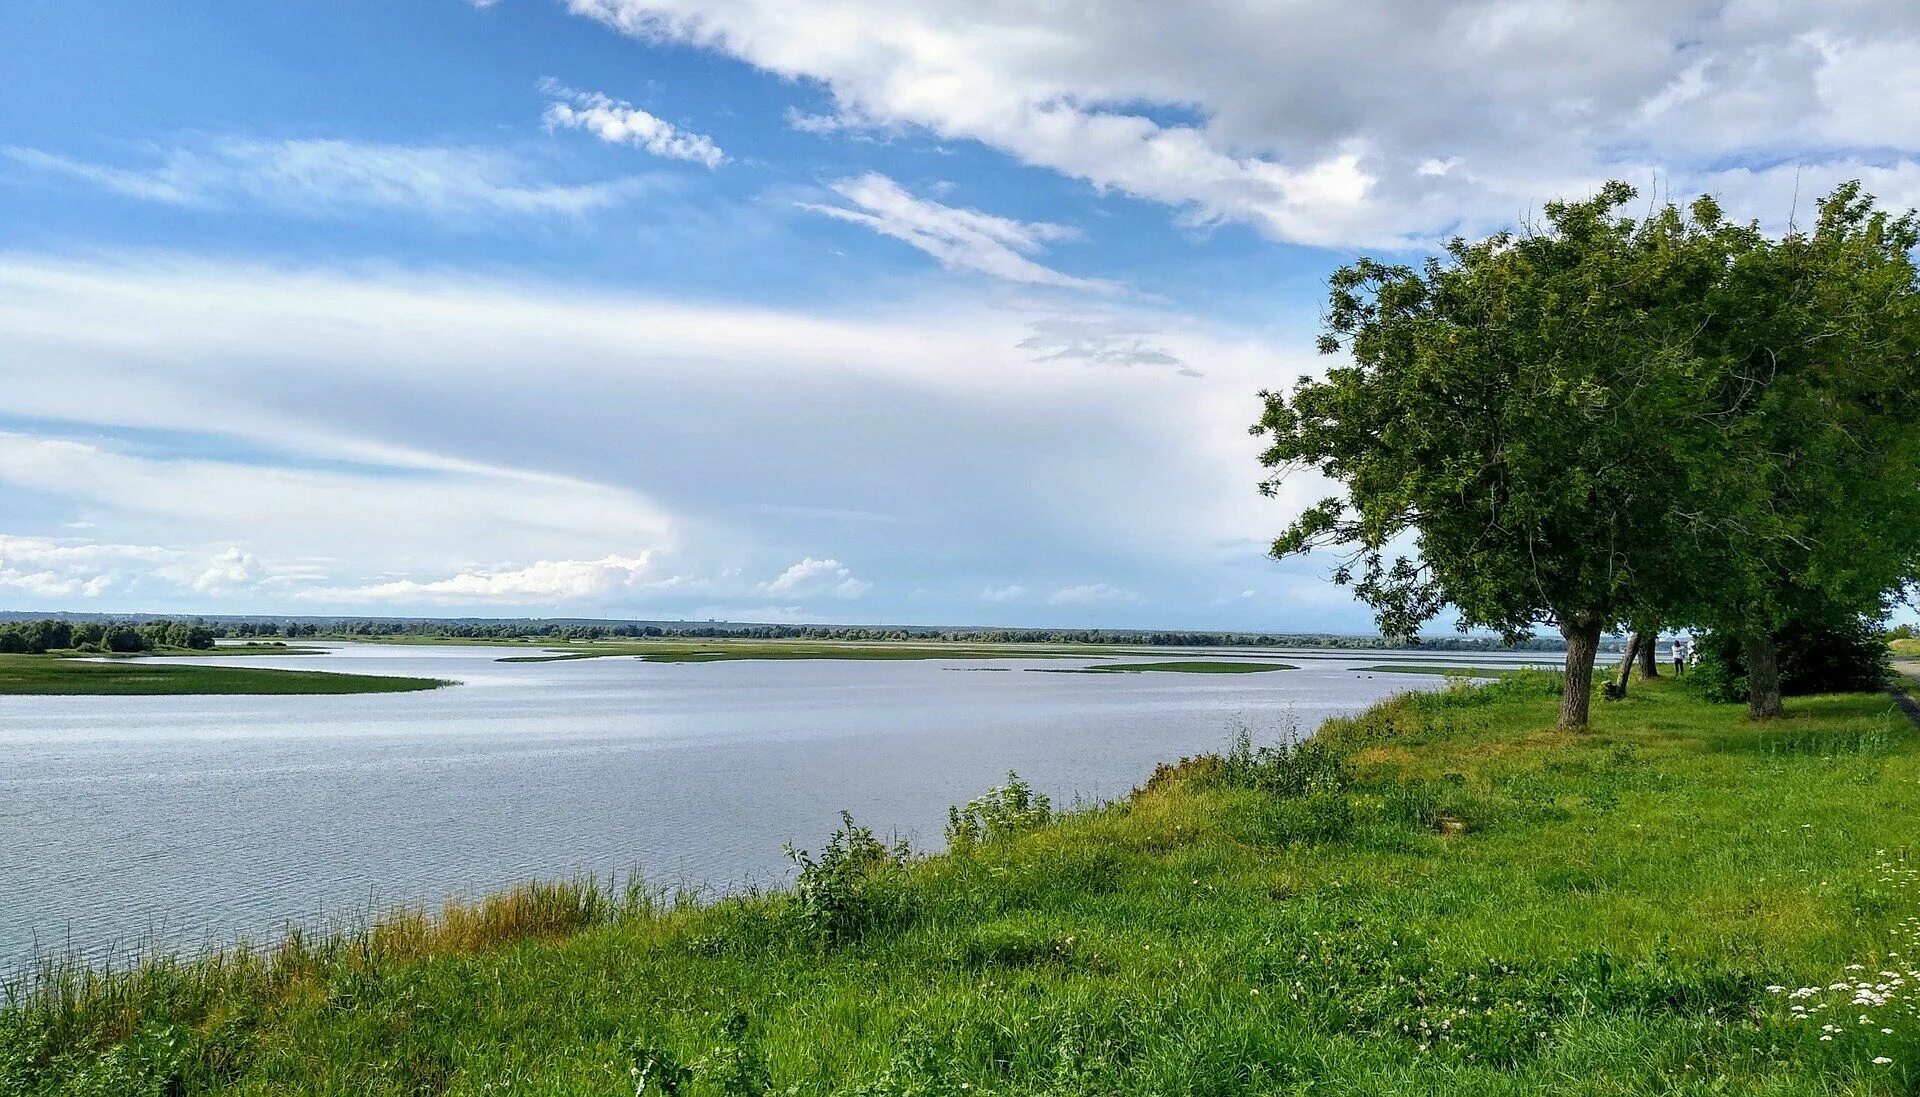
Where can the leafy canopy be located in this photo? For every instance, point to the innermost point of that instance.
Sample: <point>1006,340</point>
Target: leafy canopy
<point>1522,421</point>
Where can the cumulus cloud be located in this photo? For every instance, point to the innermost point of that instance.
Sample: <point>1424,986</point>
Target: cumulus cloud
<point>543,581</point>
<point>1010,593</point>
<point>1091,594</point>
<point>322,178</point>
<point>961,239</point>
<point>618,122</point>
<point>1327,122</point>
<point>48,568</point>
<point>811,575</point>
<point>230,571</point>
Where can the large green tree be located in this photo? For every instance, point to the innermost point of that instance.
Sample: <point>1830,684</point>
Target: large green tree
<point>1522,428</point>
<point>1610,420</point>
<point>1816,340</point>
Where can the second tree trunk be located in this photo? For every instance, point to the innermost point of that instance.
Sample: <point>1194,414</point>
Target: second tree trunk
<point>1583,643</point>
<point>1763,676</point>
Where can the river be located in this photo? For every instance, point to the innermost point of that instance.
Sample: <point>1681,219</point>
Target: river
<point>187,822</point>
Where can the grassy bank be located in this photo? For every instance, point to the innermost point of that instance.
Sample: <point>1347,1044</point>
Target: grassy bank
<point>52,674</point>
<point>1445,896</point>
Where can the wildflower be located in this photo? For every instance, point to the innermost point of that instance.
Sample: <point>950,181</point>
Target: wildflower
<point>1881,1061</point>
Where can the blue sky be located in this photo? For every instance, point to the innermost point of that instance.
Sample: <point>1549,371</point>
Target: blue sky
<point>925,311</point>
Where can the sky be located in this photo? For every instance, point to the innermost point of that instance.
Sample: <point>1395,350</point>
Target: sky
<point>876,311</point>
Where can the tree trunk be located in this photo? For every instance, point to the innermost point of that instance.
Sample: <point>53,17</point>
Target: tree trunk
<point>1626,666</point>
<point>1583,644</point>
<point>1649,664</point>
<point>1763,676</point>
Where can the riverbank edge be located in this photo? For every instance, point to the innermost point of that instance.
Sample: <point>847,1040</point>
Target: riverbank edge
<point>1446,744</point>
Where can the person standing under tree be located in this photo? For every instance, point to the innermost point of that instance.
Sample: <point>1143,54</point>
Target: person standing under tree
<point>1682,649</point>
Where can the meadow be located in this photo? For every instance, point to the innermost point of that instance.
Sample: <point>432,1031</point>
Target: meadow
<point>60,675</point>
<point>1442,895</point>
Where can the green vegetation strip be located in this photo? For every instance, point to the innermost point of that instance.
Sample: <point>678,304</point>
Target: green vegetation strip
<point>1442,895</point>
<point>710,651</point>
<point>1176,667</point>
<point>1442,668</point>
<point>49,674</point>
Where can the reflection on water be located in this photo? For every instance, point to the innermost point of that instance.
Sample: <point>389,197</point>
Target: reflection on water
<point>189,820</point>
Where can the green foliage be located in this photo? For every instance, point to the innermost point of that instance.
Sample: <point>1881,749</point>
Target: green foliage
<point>1817,652</point>
<point>1520,406</point>
<point>1004,811</point>
<point>849,890</point>
<point>1298,768</point>
<point>114,637</point>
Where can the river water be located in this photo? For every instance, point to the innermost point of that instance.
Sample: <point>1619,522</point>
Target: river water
<point>186,822</point>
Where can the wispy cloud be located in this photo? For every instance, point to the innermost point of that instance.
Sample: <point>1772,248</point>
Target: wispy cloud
<point>1010,593</point>
<point>1100,341</point>
<point>961,239</point>
<point>1092,594</point>
<point>543,581</point>
<point>618,122</point>
<point>322,177</point>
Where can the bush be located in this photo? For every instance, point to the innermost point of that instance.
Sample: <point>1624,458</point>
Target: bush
<point>1818,654</point>
<point>1287,769</point>
<point>842,895</point>
<point>1010,809</point>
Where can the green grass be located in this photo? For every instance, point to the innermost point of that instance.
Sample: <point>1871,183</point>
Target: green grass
<point>1909,648</point>
<point>1189,666</point>
<point>52,674</point>
<point>1453,898</point>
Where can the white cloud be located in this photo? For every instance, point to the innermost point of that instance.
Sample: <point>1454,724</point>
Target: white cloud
<point>382,517</point>
<point>48,568</point>
<point>1328,122</point>
<point>331,178</point>
<point>618,122</point>
<point>52,568</point>
<point>1092,594</point>
<point>962,239</point>
<point>1010,593</point>
<point>544,581</point>
<point>230,571</point>
<point>811,575</point>
<point>917,438</point>
<point>1099,340</point>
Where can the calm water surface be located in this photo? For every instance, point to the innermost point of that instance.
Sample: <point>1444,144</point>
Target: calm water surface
<point>188,821</point>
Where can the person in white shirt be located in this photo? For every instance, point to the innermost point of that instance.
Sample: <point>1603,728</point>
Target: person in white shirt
<point>1682,651</point>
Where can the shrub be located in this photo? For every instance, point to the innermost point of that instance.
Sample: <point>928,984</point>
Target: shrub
<point>1010,809</point>
<point>1818,652</point>
<point>1286,769</point>
<point>842,895</point>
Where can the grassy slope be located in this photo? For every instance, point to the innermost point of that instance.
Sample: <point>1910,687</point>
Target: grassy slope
<point>50,674</point>
<point>1606,925</point>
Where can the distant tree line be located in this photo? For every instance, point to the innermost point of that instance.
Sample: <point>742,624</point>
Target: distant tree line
<point>117,637</point>
<point>553,630</point>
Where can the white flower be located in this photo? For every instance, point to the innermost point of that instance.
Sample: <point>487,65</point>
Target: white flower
<point>1881,1061</point>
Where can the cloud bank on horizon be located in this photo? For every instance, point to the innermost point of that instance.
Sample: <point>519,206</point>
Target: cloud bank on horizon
<point>929,311</point>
